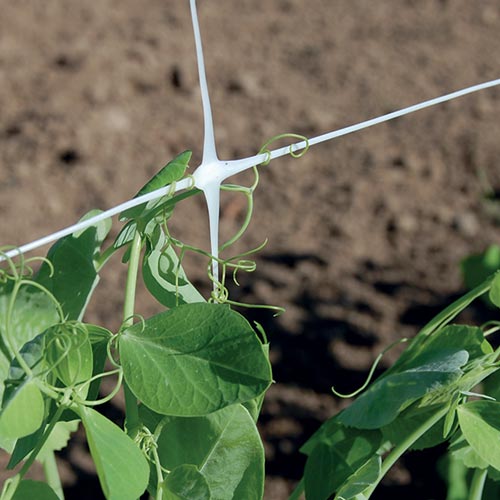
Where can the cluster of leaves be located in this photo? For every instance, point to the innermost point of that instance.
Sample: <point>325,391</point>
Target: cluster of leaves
<point>423,400</point>
<point>194,375</point>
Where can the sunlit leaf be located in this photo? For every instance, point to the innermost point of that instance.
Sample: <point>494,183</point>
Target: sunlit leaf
<point>480,424</point>
<point>122,469</point>
<point>32,313</point>
<point>462,451</point>
<point>193,360</point>
<point>23,411</point>
<point>494,295</point>
<point>171,172</point>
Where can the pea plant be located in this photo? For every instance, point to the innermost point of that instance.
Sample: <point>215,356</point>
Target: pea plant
<point>195,375</point>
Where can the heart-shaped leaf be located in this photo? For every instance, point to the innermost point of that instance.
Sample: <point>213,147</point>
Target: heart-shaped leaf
<point>193,360</point>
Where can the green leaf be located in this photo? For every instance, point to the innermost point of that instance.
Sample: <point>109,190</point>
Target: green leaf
<point>494,474</point>
<point>24,446</point>
<point>412,418</point>
<point>186,482</point>
<point>480,424</point>
<point>34,490</point>
<point>335,454</point>
<point>476,268</point>
<point>122,469</point>
<point>165,278</point>
<point>447,339</point>
<point>470,338</point>
<point>171,172</point>
<point>440,320</point>
<point>193,360</point>
<point>388,396</point>
<point>494,295</point>
<point>460,450</point>
<point>225,447</point>
<point>492,385</point>
<point>99,338</point>
<point>33,354</point>
<point>32,313</point>
<point>364,477</point>
<point>75,276</point>
<point>23,411</point>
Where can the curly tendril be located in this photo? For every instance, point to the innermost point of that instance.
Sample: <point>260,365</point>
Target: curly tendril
<point>20,268</point>
<point>370,374</point>
<point>293,153</point>
<point>111,395</point>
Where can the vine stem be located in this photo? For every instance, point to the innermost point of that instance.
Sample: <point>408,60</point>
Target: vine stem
<point>159,475</point>
<point>398,451</point>
<point>131,408</point>
<point>477,484</point>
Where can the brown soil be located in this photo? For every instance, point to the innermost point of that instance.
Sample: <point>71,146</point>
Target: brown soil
<point>365,233</point>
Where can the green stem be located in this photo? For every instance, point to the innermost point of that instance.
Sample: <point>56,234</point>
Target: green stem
<point>477,484</point>
<point>402,447</point>
<point>104,257</point>
<point>52,475</point>
<point>159,475</point>
<point>131,408</point>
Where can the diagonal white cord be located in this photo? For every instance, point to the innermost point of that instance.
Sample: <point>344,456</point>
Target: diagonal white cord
<point>212,172</point>
<point>236,166</point>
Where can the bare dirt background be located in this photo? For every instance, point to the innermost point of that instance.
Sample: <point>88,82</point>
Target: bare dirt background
<point>365,233</point>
